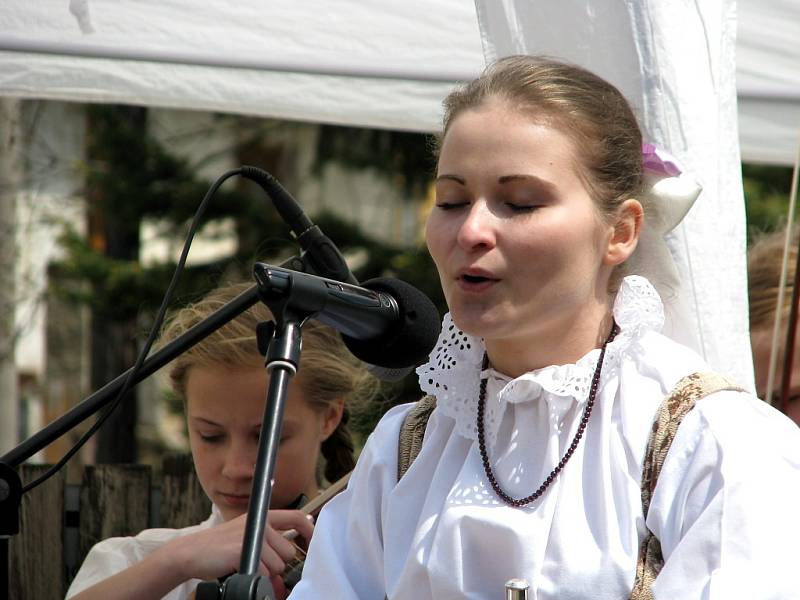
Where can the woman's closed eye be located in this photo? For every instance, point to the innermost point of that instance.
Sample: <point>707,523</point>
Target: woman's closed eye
<point>211,438</point>
<point>521,208</point>
<point>519,200</point>
<point>450,204</point>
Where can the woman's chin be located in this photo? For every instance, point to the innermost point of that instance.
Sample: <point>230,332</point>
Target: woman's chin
<point>473,322</point>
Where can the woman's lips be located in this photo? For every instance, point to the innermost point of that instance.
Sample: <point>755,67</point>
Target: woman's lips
<point>475,281</point>
<point>236,499</point>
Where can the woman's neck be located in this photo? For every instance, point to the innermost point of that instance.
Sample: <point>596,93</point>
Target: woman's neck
<point>560,343</point>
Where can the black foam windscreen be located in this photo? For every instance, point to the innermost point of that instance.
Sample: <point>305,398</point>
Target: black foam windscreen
<point>413,337</point>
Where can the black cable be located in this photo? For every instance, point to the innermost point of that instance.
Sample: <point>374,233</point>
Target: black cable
<point>150,338</point>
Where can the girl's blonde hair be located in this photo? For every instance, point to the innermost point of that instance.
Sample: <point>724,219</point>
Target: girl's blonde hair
<point>328,372</point>
<point>764,260</point>
<point>594,113</point>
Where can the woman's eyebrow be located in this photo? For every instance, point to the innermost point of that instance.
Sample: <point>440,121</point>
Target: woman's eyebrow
<point>538,181</point>
<point>205,421</point>
<point>456,178</point>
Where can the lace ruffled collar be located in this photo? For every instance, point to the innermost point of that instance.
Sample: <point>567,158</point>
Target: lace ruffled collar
<point>454,370</point>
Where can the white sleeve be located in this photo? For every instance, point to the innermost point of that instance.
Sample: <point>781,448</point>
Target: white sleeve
<point>345,558</point>
<point>727,505</point>
<point>105,559</point>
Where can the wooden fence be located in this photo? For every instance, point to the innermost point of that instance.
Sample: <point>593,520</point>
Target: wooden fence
<point>59,523</point>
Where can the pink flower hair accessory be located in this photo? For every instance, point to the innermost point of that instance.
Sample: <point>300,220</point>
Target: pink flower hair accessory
<point>658,161</point>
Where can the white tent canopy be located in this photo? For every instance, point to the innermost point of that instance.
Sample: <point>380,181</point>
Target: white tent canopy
<point>375,64</point>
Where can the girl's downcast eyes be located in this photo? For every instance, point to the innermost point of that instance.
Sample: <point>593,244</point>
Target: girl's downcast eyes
<point>521,208</point>
<point>450,205</point>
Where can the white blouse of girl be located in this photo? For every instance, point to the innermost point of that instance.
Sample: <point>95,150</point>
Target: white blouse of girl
<point>538,206</point>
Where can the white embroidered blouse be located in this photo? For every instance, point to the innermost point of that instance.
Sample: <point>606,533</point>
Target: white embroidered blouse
<point>726,509</point>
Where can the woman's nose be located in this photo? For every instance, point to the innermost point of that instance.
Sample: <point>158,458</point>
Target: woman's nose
<point>478,228</point>
<point>239,461</point>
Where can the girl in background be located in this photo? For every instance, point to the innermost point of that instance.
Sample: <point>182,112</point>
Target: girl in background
<point>764,261</point>
<point>224,383</point>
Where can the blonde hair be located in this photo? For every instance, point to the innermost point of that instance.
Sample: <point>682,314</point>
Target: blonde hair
<point>590,110</point>
<point>329,373</point>
<point>764,260</point>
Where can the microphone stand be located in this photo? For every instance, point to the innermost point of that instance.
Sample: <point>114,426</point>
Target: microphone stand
<point>282,359</point>
<point>284,339</point>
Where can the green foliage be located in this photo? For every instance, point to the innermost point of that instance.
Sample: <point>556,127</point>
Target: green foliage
<point>766,192</point>
<point>122,288</point>
<point>136,175</point>
<point>405,156</point>
<point>132,177</point>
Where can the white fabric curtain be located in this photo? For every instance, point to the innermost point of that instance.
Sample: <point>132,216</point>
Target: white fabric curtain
<point>676,64</point>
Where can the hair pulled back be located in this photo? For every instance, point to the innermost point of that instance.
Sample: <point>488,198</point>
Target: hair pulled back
<point>591,111</point>
<point>764,262</point>
<point>328,372</point>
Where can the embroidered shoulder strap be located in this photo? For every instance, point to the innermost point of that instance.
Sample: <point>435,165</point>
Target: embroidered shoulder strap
<point>412,432</point>
<point>681,400</point>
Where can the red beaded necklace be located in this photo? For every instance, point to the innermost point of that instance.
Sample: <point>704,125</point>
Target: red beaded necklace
<point>518,502</point>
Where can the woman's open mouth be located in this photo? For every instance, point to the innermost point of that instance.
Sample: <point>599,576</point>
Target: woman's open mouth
<point>475,282</point>
<point>474,278</point>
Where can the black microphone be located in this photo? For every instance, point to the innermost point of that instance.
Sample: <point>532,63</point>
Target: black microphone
<point>322,257</point>
<point>321,254</point>
<point>385,322</point>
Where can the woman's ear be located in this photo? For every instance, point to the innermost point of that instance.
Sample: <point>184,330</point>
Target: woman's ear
<point>331,417</point>
<point>625,235</point>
